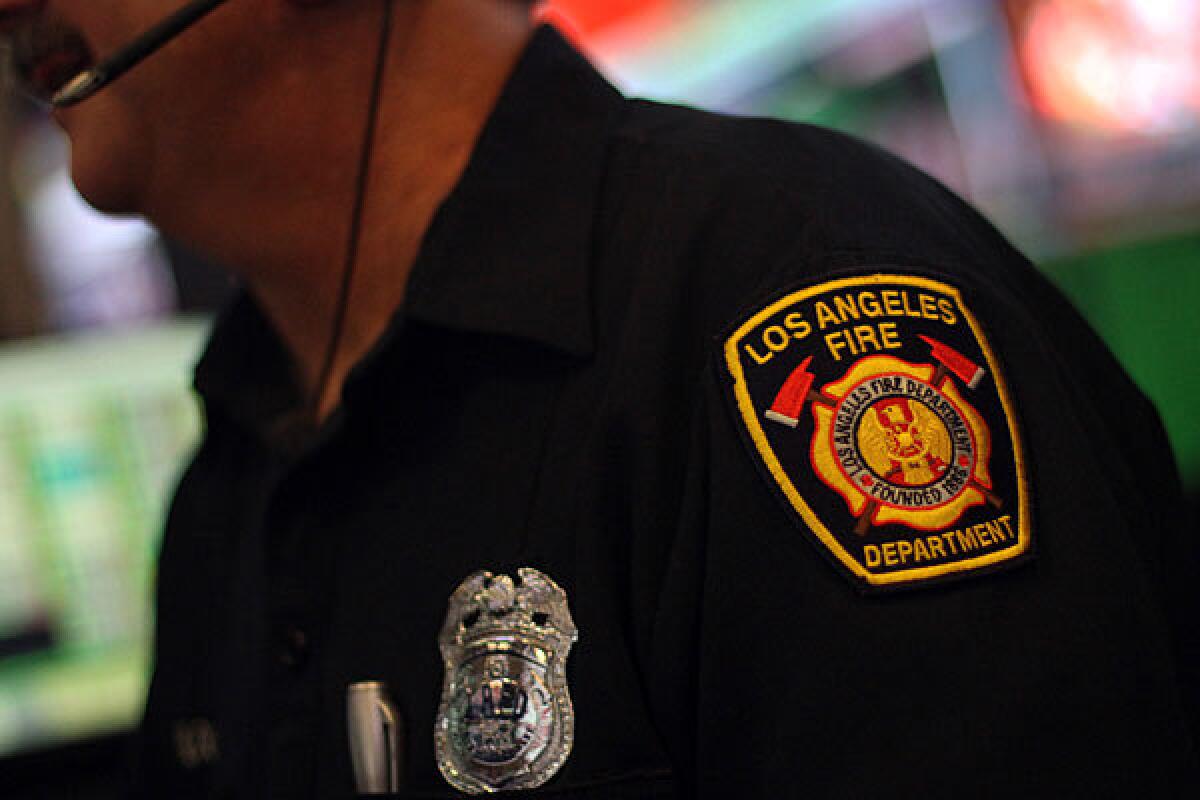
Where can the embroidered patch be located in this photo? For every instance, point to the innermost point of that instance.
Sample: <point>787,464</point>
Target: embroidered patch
<point>880,414</point>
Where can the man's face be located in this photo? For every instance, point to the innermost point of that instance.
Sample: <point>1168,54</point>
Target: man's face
<point>119,135</point>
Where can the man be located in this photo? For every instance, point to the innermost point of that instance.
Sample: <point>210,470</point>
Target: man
<point>838,496</point>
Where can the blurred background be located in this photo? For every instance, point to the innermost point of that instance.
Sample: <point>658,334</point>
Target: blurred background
<point>1073,124</point>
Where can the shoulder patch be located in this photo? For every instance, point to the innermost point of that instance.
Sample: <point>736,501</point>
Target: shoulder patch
<point>878,411</point>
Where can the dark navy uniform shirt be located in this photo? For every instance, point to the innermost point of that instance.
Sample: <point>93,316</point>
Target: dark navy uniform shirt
<point>552,394</point>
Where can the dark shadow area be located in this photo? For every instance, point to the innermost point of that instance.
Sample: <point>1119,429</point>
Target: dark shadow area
<point>94,770</point>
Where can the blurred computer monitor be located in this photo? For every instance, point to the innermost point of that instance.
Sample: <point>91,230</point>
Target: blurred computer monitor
<point>93,433</point>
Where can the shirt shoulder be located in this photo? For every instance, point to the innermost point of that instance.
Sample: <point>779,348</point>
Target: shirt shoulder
<point>720,216</point>
<point>838,192</point>
<point>746,206</point>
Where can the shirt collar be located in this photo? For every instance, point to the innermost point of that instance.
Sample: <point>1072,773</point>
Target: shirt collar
<point>510,250</point>
<point>508,253</point>
<point>246,368</point>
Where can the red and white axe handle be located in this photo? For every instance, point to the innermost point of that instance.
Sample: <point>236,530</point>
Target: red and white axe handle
<point>950,359</point>
<point>790,399</point>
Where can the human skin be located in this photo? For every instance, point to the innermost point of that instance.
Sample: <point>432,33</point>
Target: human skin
<point>242,138</point>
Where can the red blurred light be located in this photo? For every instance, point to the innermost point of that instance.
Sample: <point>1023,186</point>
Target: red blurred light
<point>1118,65</point>
<point>586,17</point>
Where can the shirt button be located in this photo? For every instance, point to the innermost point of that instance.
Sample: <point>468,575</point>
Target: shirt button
<point>294,649</point>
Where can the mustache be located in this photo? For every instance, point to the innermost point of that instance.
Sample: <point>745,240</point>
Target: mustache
<point>46,54</point>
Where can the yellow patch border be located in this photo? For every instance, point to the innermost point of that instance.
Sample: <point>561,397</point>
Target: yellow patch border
<point>754,426</point>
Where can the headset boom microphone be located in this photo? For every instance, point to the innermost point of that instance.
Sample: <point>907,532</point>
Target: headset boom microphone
<point>90,81</point>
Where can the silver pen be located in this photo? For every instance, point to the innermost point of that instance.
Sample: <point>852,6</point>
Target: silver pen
<point>376,734</point>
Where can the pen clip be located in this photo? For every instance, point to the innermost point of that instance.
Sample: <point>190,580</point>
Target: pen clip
<point>375,733</point>
<point>391,734</point>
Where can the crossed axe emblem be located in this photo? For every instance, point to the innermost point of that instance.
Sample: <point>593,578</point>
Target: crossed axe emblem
<point>797,391</point>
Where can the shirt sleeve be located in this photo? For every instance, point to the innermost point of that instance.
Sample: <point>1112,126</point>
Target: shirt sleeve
<point>940,550</point>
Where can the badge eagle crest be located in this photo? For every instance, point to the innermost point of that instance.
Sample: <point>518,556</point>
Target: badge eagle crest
<point>880,415</point>
<point>505,721</point>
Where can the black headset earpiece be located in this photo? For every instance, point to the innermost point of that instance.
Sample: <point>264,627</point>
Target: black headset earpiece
<point>356,214</point>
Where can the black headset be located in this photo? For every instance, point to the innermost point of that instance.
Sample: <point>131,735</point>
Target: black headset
<point>92,80</point>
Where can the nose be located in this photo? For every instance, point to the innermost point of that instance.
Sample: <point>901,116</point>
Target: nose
<point>14,13</point>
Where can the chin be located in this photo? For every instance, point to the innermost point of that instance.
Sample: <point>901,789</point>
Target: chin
<point>103,193</point>
<point>107,167</point>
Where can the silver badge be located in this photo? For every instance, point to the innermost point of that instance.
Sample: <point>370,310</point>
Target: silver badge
<point>505,720</point>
